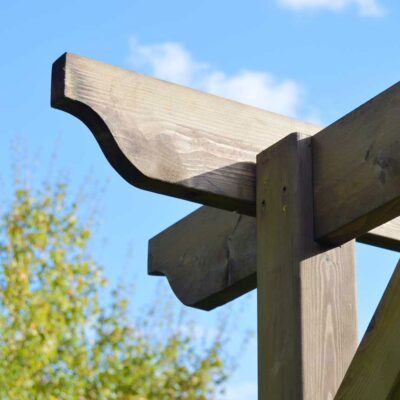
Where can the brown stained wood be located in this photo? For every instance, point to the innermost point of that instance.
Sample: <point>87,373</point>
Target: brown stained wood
<point>356,165</point>
<point>374,373</point>
<point>307,323</point>
<point>209,257</point>
<point>386,236</point>
<point>168,138</point>
<point>177,141</point>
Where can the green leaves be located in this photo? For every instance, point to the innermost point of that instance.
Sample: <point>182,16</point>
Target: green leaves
<point>58,342</point>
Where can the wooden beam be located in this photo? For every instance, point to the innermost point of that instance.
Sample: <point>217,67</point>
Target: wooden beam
<point>181,142</point>
<point>221,250</point>
<point>374,372</point>
<point>386,236</point>
<point>356,166</point>
<point>307,320</point>
<point>209,257</point>
<point>168,138</point>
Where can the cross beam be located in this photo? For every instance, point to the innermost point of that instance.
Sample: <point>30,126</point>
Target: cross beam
<point>374,372</point>
<point>221,250</point>
<point>181,142</point>
<point>212,265</point>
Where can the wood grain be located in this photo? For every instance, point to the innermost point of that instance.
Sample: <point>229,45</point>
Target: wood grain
<point>208,257</point>
<point>374,372</point>
<point>218,247</point>
<point>168,138</point>
<point>356,165</point>
<point>177,141</point>
<point>307,323</point>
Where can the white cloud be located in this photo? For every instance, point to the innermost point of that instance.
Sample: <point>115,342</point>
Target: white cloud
<point>172,62</point>
<point>368,8</point>
<point>258,89</point>
<point>241,391</point>
<point>169,61</point>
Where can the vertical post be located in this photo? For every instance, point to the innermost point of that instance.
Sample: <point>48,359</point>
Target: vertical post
<point>307,318</point>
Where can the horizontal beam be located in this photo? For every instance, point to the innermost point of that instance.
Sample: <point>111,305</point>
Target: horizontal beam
<point>208,257</point>
<point>375,369</point>
<point>221,250</point>
<point>168,138</point>
<point>181,142</point>
<point>357,170</point>
<point>219,247</point>
<point>386,236</point>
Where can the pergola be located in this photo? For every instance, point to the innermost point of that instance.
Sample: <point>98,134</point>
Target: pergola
<point>288,201</point>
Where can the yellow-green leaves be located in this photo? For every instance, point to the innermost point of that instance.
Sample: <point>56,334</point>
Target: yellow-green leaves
<point>58,342</point>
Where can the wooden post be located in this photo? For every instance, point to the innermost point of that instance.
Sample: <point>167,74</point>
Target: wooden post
<point>307,322</point>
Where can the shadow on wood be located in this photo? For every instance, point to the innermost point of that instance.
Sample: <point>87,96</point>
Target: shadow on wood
<point>306,295</point>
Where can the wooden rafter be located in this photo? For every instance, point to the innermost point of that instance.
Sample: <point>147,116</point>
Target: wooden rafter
<point>168,138</point>
<point>221,250</point>
<point>181,142</point>
<point>212,265</point>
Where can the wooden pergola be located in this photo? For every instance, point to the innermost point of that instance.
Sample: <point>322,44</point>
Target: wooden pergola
<point>284,202</point>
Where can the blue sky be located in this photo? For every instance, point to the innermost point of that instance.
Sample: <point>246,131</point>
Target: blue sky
<point>312,59</point>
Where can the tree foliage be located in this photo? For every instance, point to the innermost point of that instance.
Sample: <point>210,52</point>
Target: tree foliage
<point>59,341</point>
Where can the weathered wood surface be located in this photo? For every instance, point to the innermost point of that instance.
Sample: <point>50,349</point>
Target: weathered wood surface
<point>209,257</point>
<point>356,168</point>
<point>307,323</point>
<point>181,142</point>
<point>168,138</point>
<point>374,373</point>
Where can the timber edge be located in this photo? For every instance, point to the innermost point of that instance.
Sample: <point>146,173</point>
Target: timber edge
<point>95,123</point>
